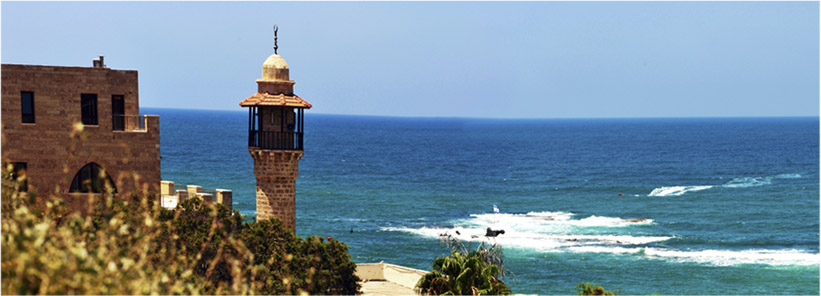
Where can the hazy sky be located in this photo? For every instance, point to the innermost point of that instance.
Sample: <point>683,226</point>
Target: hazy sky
<point>466,59</point>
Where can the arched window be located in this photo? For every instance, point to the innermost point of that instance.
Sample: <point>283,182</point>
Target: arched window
<point>91,178</point>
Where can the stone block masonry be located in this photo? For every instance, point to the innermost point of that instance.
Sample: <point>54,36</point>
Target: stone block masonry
<point>225,197</point>
<point>58,145</point>
<point>276,172</point>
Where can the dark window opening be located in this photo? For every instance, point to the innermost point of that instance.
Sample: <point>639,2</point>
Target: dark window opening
<point>118,112</point>
<point>27,106</point>
<point>91,178</point>
<point>89,105</point>
<point>19,174</point>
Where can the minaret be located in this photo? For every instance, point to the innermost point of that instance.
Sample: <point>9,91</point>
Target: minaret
<point>275,140</point>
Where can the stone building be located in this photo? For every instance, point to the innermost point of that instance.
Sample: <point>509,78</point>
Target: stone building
<point>275,134</point>
<point>74,131</point>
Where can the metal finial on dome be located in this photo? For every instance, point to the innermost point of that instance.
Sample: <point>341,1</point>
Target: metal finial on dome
<point>276,28</point>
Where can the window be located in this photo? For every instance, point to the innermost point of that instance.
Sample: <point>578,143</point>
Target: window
<point>118,112</point>
<point>18,173</point>
<point>27,106</point>
<point>91,178</point>
<point>89,105</point>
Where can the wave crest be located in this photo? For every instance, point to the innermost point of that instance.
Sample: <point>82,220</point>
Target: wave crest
<point>677,190</point>
<point>748,182</point>
<point>742,182</point>
<point>621,245</point>
<point>531,240</point>
<point>713,257</point>
<point>539,221</point>
<point>560,232</point>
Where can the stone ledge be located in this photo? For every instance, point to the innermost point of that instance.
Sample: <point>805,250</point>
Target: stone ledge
<point>388,279</point>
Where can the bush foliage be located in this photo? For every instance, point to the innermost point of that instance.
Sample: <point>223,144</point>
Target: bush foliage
<point>129,245</point>
<point>592,289</point>
<point>466,272</point>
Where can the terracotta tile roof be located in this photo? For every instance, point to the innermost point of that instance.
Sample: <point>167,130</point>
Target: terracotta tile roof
<point>263,99</point>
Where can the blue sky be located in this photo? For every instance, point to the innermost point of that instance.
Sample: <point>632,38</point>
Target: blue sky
<point>461,59</point>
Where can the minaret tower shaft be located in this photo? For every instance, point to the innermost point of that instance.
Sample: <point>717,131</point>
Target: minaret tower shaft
<point>275,134</point>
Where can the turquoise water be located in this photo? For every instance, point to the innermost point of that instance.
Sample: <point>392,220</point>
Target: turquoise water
<point>707,206</point>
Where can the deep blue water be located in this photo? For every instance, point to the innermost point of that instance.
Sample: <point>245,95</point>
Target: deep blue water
<point>719,205</point>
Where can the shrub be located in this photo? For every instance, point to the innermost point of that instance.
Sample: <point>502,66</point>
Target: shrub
<point>466,272</point>
<point>52,252</point>
<point>290,264</point>
<point>129,245</point>
<point>591,289</point>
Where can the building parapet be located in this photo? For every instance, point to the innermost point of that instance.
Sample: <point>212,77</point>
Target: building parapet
<point>171,196</point>
<point>385,278</point>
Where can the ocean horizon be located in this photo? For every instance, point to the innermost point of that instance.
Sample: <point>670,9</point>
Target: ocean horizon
<point>685,205</point>
<point>164,109</point>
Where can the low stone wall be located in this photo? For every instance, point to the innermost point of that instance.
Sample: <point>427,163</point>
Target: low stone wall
<point>400,275</point>
<point>170,197</point>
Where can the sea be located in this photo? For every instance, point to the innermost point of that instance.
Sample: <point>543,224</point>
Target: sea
<point>642,206</point>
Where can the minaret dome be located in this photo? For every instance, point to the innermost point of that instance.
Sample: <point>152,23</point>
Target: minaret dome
<point>275,69</point>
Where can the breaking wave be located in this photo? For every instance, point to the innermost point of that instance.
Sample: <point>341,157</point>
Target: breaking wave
<point>546,229</point>
<point>788,176</point>
<point>743,182</point>
<point>713,257</point>
<point>560,232</point>
<point>676,190</point>
<point>537,221</point>
<point>748,182</point>
<point>531,240</point>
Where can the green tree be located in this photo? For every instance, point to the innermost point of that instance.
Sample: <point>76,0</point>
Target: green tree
<point>465,272</point>
<point>290,265</point>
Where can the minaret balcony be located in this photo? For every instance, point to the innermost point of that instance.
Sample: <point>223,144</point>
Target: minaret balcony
<point>275,140</point>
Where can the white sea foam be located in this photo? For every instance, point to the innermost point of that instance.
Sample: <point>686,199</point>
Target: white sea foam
<point>545,231</point>
<point>712,257</point>
<point>748,182</point>
<point>620,245</point>
<point>611,222</point>
<point>531,240</point>
<point>556,232</point>
<point>677,190</point>
<point>548,221</point>
<point>743,182</point>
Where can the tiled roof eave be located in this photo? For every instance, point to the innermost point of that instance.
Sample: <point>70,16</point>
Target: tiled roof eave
<point>263,99</point>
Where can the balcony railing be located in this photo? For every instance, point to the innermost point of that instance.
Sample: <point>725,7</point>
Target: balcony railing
<point>128,122</point>
<point>275,140</point>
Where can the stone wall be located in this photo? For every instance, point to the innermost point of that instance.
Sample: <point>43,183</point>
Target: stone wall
<point>400,275</point>
<point>170,197</point>
<point>58,145</point>
<point>276,172</point>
